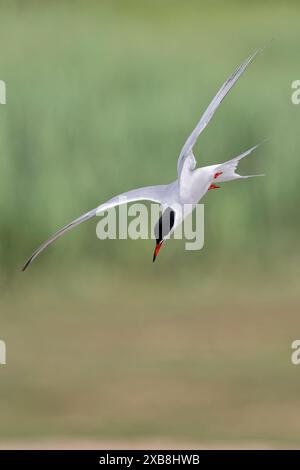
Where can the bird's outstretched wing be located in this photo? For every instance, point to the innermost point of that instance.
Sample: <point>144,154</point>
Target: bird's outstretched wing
<point>150,193</point>
<point>208,114</point>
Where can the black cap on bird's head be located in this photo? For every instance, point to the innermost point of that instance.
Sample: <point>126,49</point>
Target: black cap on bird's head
<point>163,228</point>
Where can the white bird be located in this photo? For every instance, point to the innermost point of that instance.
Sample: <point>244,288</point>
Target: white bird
<point>189,188</point>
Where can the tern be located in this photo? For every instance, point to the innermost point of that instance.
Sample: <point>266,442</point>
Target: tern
<point>189,188</point>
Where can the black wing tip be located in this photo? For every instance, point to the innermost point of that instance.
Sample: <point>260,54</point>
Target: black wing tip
<point>26,265</point>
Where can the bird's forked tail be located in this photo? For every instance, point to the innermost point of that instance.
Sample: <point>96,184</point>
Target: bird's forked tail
<point>227,171</point>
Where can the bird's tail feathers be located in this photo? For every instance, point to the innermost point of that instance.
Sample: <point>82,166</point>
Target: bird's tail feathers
<point>227,170</point>
<point>251,176</point>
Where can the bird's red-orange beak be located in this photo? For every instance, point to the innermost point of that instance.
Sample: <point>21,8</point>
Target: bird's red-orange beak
<point>156,251</point>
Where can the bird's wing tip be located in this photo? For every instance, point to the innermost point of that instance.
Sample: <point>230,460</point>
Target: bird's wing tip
<point>25,266</point>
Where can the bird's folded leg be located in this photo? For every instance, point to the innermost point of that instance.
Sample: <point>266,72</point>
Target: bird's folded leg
<point>213,186</point>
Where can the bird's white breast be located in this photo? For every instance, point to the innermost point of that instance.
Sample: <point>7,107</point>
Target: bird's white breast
<point>195,184</point>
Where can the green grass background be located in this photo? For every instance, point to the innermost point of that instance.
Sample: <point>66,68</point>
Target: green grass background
<point>100,342</point>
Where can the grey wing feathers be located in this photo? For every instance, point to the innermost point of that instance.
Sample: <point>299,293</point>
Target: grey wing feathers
<point>151,193</point>
<point>208,114</point>
<point>58,234</point>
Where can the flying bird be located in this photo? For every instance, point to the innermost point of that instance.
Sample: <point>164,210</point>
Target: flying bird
<point>189,188</point>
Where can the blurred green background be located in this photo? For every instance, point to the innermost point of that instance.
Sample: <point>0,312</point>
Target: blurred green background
<point>101,343</point>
